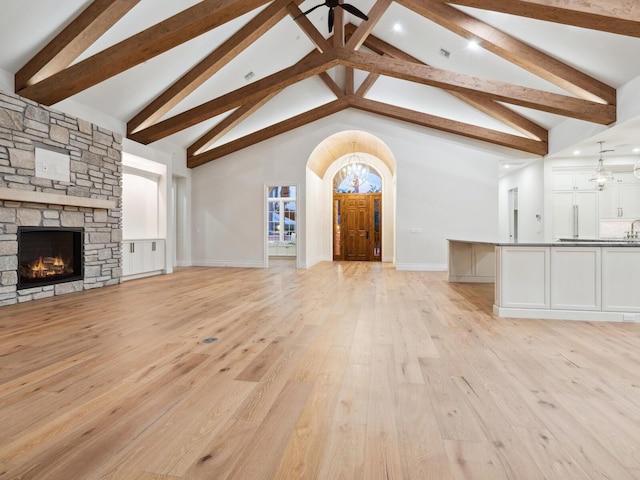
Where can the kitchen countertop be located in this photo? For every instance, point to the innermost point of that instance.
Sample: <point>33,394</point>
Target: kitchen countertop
<point>560,243</point>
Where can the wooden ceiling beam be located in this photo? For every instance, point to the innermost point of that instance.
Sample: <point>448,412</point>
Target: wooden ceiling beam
<point>614,16</point>
<point>176,30</point>
<point>451,126</point>
<point>330,82</point>
<point>365,28</point>
<point>500,91</point>
<point>307,67</point>
<point>367,84</point>
<point>338,27</point>
<point>210,65</point>
<point>268,132</point>
<point>74,39</point>
<point>515,51</point>
<point>226,125</point>
<point>308,28</point>
<point>484,104</point>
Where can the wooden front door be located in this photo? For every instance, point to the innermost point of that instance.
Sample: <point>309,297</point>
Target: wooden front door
<point>357,227</point>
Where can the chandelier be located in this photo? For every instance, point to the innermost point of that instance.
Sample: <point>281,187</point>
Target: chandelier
<point>354,171</point>
<point>600,176</point>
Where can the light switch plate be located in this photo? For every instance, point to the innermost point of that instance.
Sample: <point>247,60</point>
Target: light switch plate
<point>52,165</point>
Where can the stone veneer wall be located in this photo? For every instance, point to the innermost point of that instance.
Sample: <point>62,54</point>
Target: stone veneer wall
<point>96,172</point>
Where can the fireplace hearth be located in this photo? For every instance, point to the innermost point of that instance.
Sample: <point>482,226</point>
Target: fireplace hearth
<point>47,256</point>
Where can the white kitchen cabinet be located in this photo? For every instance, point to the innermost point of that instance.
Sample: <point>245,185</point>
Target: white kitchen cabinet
<point>143,257</point>
<point>523,279</point>
<point>575,214</point>
<point>576,278</point>
<point>471,262</point>
<point>621,199</point>
<point>621,279</point>
<point>570,180</point>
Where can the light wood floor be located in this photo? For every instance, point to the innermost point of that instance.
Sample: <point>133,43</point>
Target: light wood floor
<point>342,371</point>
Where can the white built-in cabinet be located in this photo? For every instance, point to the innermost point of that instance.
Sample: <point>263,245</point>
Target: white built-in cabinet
<point>522,277</point>
<point>471,262</point>
<point>576,282</point>
<point>143,257</point>
<point>577,207</point>
<point>568,282</point>
<point>620,279</point>
<point>575,214</point>
<point>621,199</point>
<point>574,205</point>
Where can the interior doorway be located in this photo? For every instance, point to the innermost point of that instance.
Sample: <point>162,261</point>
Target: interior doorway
<point>326,165</point>
<point>357,227</point>
<point>282,221</point>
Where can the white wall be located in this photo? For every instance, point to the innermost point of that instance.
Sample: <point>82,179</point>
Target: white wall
<point>317,210</point>
<point>529,181</point>
<point>229,202</point>
<point>446,188</point>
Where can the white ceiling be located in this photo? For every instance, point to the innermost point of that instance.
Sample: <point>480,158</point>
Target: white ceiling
<point>26,26</point>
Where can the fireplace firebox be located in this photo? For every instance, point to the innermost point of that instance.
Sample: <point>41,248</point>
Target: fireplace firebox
<point>48,255</point>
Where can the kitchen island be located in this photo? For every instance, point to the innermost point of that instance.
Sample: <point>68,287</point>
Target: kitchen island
<point>572,280</point>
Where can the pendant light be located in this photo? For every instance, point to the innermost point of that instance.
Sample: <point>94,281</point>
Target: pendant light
<point>354,171</point>
<point>600,176</point>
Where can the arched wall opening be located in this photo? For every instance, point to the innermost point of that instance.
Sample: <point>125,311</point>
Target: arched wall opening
<point>326,159</point>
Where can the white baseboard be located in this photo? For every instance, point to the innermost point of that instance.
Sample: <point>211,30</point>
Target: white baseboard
<point>422,267</point>
<point>585,316</point>
<point>232,264</point>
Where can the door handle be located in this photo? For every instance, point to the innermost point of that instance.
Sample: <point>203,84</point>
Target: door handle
<point>367,234</point>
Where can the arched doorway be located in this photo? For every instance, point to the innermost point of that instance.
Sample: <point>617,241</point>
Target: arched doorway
<point>357,212</point>
<point>323,164</point>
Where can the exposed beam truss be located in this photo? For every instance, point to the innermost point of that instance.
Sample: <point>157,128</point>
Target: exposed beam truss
<point>51,75</point>
<point>614,16</point>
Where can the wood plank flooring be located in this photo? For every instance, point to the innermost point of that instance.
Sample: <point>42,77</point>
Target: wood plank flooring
<point>341,371</point>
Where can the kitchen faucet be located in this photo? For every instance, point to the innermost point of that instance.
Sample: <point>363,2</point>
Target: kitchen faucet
<point>633,233</point>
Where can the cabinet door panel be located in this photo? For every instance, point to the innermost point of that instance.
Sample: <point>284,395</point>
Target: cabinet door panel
<point>608,202</point>
<point>562,215</point>
<point>126,258</point>
<point>620,279</point>
<point>575,278</point>
<point>630,200</point>
<point>562,181</point>
<point>588,224</point>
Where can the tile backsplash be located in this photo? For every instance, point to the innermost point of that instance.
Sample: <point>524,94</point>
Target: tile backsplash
<point>614,228</point>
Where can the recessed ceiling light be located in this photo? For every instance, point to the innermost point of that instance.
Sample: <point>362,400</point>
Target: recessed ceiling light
<point>473,44</point>
<point>576,152</point>
<point>636,150</point>
<point>397,27</point>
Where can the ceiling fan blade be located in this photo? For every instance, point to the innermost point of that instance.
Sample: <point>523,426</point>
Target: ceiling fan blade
<point>331,14</point>
<point>310,10</point>
<point>353,10</point>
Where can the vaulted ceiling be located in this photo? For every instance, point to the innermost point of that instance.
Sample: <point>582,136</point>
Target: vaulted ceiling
<point>216,76</point>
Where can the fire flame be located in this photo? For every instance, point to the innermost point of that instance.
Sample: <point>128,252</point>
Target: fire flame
<point>47,267</point>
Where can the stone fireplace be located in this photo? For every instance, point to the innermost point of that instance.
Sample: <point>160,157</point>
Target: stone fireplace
<point>85,201</point>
